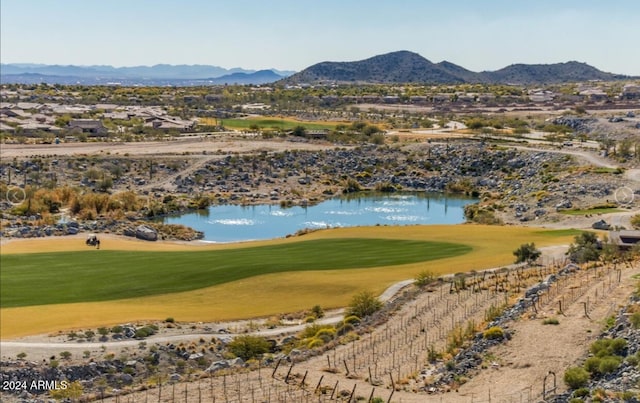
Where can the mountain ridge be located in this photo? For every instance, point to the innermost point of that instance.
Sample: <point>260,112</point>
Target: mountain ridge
<point>409,67</point>
<point>390,68</point>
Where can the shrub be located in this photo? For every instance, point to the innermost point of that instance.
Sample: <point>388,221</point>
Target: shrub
<point>314,329</point>
<point>363,304</point>
<point>494,333</point>
<point>352,320</point>
<point>609,364</point>
<point>248,346</point>
<point>425,278</point>
<point>576,377</point>
<point>635,320</point>
<point>527,253</point>
<point>551,321</point>
<point>592,364</point>
<point>582,392</point>
<point>326,334</point>
<point>317,311</point>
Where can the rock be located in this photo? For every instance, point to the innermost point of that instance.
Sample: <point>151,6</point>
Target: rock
<point>146,233</point>
<point>218,365</point>
<point>602,224</point>
<point>126,379</point>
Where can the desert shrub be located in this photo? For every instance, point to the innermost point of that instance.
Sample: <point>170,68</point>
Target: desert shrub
<point>313,329</point>
<point>363,304</point>
<point>315,343</point>
<point>609,364</point>
<point>635,320</point>
<point>582,392</point>
<point>326,334</point>
<point>248,346</point>
<point>493,312</point>
<point>425,278</point>
<point>592,364</point>
<point>317,311</point>
<point>586,248</point>
<point>576,377</point>
<point>606,347</point>
<point>351,320</point>
<point>344,329</point>
<point>494,333</point>
<point>143,332</point>
<point>527,253</point>
<point>551,321</point>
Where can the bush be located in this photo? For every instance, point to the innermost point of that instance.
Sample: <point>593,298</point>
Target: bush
<point>143,332</point>
<point>635,320</point>
<point>551,321</point>
<point>609,364</point>
<point>576,377</point>
<point>248,346</point>
<point>592,365</point>
<point>363,304</point>
<point>527,253</point>
<point>424,278</point>
<point>582,392</point>
<point>494,333</point>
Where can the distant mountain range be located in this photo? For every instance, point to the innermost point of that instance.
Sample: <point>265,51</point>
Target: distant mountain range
<point>409,67</point>
<point>396,67</point>
<point>160,74</point>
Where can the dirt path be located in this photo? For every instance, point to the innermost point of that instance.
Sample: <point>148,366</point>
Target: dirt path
<point>187,146</point>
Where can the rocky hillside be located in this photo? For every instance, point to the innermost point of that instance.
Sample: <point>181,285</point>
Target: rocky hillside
<point>409,67</point>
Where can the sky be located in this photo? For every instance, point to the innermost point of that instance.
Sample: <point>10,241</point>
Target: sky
<point>479,35</point>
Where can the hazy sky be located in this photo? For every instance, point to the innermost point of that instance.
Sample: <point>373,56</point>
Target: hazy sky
<point>294,34</point>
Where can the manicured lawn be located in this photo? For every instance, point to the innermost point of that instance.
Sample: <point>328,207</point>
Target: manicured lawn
<point>322,268</point>
<point>102,275</point>
<point>270,123</point>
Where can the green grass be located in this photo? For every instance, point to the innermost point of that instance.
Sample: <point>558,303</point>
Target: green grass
<point>68,277</point>
<point>284,124</point>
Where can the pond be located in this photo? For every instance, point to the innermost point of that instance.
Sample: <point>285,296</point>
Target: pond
<point>233,223</point>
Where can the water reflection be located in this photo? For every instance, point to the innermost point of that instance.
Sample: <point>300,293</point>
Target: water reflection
<point>229,223</point>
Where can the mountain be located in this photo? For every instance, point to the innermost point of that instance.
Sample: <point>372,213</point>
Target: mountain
<point>396,67</point>
<point>409,67</point>
<point>550,73</point>
<point>160,74</point>
<point>259,77</point>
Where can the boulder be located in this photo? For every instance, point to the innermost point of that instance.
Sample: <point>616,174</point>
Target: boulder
<point>146,233</point>
<point>601,224</point>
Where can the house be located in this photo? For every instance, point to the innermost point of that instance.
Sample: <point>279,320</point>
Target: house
<point>630,91</point>
<point>594,94</point>
<point>625,239</point>
<point>91,127</point>
<point>165,123</point>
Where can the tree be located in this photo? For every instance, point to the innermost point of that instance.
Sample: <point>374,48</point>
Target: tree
<point>527,253</point>
<point>248,346</point>
<point>299,131</point>
<point>363,304</point>
<point>585,249</point>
